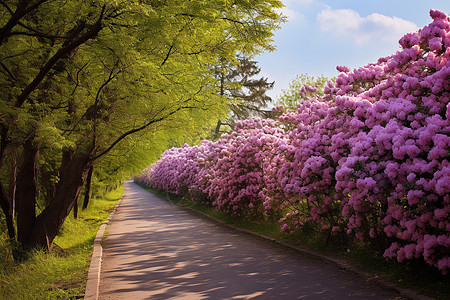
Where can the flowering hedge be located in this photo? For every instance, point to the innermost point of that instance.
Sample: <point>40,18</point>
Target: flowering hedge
<point>243,171</point>
<point>370,158</point>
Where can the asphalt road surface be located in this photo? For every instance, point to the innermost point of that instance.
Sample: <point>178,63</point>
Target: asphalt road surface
<point>156,250</point>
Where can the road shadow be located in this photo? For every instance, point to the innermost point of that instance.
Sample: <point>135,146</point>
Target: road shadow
<point>156,250</point>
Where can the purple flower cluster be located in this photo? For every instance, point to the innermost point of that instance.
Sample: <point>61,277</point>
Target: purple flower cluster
<point>180,170</point>
<point>394,184</point>
<point>242,174</point>
<point>370,158</point>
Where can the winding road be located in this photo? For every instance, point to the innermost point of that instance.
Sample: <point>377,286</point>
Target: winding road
<point>157,250</point>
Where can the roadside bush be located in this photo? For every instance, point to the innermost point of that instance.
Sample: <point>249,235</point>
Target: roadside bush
<point>369,158</point>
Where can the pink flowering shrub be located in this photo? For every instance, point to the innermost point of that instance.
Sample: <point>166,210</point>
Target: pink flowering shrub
<point>174,170</point>
<point>370,158</point>
<point>397,176</point>
<point>180,170</point>
<point>240,178</point>
<point>307,164</point>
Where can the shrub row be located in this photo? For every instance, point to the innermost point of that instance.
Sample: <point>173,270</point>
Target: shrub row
<point>370,158</point>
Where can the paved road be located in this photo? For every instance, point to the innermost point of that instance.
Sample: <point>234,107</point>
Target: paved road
<point>156,250</point>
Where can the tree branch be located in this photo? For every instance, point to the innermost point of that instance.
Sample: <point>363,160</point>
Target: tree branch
<point>91,112</point>
<point>20,12</point>
<point>232,21</point>
<point>129,132</point>
<point>89,34</point>
<point>7,7</point>
<point>168,54</point>
<point>37,33</point>
<point>104,84</point>
<point>8,71</point>
<point>78,78</point>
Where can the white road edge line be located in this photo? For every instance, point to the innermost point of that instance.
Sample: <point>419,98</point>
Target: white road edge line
<point>93,279</point>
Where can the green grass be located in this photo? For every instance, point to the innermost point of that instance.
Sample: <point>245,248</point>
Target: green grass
<point>60,273</point>
<point>416,276</point>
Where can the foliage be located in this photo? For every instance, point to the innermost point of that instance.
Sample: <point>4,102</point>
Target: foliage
<point>301,88</point>
<point>369,158</point>
<point>102,83</point>
<point>61,272</point>
<point>246,95</point>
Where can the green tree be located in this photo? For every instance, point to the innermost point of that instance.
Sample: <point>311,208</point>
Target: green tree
<point>246,94</point>
<point>303,86</point>
<point>84,81</point>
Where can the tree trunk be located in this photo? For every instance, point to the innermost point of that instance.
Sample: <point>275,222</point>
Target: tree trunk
<point>73,172</point>
<point>6,205</point>
<point>75,209</point>
<point>6,202</point>
<point>216,133</point>
<point>47,184</point>
<point>27,180</point>
<point>13,182</point>
<point>88,188</point>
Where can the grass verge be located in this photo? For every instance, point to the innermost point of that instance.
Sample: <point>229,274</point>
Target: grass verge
<point>415,276</point>
<point>60,273</point>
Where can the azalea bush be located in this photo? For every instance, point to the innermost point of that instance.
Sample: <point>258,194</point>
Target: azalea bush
<point>368,157</point>
<point>308,164</point>
<point>242,174</point>
<point>181,170</point>
<point>396,181</point>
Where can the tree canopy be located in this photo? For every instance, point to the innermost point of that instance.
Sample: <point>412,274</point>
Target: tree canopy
<point>84,81</point>
<point>246,94</point>
<point>302,87</point>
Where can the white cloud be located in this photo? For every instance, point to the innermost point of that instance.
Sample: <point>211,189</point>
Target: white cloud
<point>302,2</point>
<point>290,13</point>
<point>291,8</point>
<point>348,23</point>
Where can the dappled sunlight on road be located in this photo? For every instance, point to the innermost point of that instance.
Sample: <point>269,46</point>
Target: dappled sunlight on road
<point>156,250</point>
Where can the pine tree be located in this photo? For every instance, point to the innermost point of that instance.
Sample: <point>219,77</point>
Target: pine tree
<point>246,94</point>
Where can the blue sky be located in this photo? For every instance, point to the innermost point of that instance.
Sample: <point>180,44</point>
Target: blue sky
<point>322,34</point>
